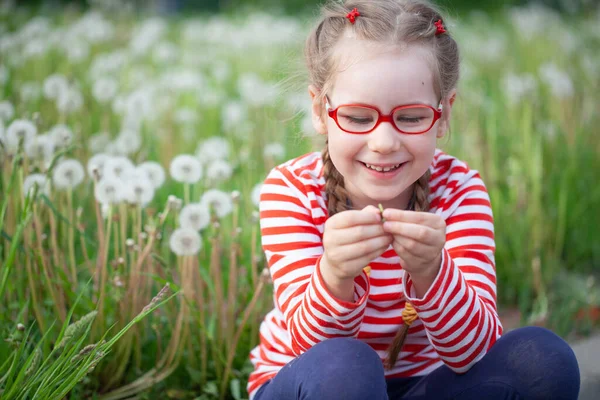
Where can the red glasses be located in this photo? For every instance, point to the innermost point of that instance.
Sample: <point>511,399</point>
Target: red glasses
<point>412,119</point>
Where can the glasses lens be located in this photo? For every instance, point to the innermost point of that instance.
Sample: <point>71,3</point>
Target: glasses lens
<point>414,119</point>
<point>356,119</point>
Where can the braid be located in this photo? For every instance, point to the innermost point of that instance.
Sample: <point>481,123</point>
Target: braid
<point>337,196</point>
<point>420,202</point>
<point>421,192</point>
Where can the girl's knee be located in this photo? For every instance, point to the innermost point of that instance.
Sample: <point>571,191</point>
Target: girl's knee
<point>346,367</point>
<point>541,360</point>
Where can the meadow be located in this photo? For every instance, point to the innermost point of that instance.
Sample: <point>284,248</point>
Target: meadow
<point>133,148</point>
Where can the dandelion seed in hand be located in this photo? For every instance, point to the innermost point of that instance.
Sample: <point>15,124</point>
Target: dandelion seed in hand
<point>381,209</point>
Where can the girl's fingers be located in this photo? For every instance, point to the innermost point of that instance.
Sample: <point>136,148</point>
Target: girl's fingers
<point>420,233</point>
<point>352,218</point>
<point>414,217</point>
<point>357,250</point>
<point>358,233</point>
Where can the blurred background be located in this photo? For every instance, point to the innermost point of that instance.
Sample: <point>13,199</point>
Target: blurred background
<point>134,140</point>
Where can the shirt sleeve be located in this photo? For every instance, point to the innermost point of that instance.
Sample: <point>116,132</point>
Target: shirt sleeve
<point>293,249</point>
<point>459,310</point>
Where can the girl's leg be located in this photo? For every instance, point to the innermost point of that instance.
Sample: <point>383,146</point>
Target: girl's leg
<point>528,363</point>
<point>341,368</point>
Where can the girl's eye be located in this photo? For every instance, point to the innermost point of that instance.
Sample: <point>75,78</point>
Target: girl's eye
<point>357,120</point>
<point>409,120</point>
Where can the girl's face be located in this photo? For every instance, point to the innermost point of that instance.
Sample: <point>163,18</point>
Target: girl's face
<point>385,79</point>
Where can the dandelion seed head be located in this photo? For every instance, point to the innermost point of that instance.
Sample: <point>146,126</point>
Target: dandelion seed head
<point>40,147</point>
<point>117,166</point>
<point>274,151</point>
<point>68,174</point>
<point>96,163</point>
<point>42,182</point>
<point>186,169</point>
<point>214,148</point>
<point>69,101</point>
<point>109,190</point>
<point>218,201</point>
<point>105,89</point>
<point>219,171</point>
<point>139,191</point>
<point>195,216</point>
<point>19,130</point>
<point>185,242</point>
<point>7,110</point>
<point>128,142</point>
<point>154,171</point>
<point>62,135</point>
<point>55,85</point>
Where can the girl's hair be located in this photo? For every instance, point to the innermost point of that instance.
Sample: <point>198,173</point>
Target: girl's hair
<point>387,22</point>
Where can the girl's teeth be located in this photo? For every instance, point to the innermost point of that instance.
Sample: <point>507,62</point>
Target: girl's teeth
<point>386,169</point>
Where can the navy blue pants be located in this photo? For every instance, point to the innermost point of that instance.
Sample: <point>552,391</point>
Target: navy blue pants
<point>528,363</point>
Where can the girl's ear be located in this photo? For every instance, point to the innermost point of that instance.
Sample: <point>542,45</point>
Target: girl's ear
<point>318,110</point>
<point>446,113</point>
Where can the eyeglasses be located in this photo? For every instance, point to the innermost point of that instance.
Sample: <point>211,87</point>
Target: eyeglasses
<point>412,119</point>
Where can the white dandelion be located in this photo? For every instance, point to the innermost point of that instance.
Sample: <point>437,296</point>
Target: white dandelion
<point>255,195</point>
<point>139,191</point>
<point>68,174</point>
<point>7,110</point>
<point>117,166</point>
<point>218,201</point>
<point>195,216</point>
<point>20,130</point>
<point>559,81</point>
<point>185,242</point>
<point>109,190</point>
<point>105,90</point>
<point>55,85</point>
<point>186,168</point>
<point>96,163</point>
<point>219,171</point>
<point>128,142</point>
<point>40,147</point>
<point>214,148</point>
<point>517,87</point>
<point>69,101</point>
<point>154,171</point>
<point>62,135</point>
<point>274,151</point>
<point>42,182</point>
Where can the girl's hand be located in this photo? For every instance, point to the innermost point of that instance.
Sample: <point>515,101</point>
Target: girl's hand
<point>351,240</point>
<point>419,238</point>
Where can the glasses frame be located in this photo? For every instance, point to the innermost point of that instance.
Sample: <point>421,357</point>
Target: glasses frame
<point>333,114</point>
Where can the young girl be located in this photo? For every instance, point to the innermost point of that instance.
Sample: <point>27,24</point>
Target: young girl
<point>399,304</point>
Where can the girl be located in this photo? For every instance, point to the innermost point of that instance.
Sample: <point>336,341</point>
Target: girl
<point>399,303</point>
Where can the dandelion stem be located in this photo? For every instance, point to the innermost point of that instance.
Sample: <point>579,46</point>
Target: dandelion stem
<point>72,239</point>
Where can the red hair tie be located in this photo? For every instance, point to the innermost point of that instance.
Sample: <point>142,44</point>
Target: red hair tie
<point>352,15</point>
<point>440,27</point>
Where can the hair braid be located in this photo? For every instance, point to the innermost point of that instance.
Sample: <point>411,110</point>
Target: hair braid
<point>337,196</point>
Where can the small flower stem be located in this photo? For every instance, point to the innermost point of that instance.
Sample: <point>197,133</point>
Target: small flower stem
<point>186,193</point>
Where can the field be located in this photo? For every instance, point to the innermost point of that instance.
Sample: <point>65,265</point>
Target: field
<point>133,148</point>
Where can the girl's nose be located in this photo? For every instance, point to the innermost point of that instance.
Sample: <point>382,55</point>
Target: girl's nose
<point>384,139</point>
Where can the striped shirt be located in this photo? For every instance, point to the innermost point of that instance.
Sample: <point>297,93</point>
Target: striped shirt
<point>458,320</point>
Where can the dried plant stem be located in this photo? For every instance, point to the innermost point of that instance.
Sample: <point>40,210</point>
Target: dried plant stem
<point>215,271</point>
<point>39,316</point>
<point>123,225</point>
<point>104,272</point>
<point>53,242</point>
<point>56,299</point>
<point>240,329</point>
<point>71,229</point>
<point>101,245</point>
<point>232,279</point>
<point>254,272</point>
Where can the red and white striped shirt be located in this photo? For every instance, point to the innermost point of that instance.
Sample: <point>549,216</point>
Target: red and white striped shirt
<point>458,320</point>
